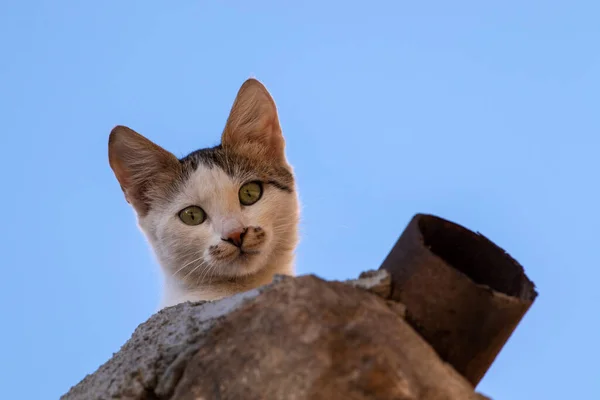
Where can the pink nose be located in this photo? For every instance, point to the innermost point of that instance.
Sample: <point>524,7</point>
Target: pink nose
<point>236,237</point>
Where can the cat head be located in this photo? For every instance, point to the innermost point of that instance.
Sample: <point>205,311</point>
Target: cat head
<point>220,213</point>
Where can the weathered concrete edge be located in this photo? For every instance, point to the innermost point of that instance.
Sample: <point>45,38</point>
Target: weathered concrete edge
<point>173,349</point>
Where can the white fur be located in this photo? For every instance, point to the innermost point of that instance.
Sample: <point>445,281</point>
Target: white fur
<point>190,272</point>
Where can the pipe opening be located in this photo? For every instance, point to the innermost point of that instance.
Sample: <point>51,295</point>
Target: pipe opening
<point>476,257</point>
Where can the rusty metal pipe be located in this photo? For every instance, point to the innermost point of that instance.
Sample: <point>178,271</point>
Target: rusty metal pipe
<point>463,294</point>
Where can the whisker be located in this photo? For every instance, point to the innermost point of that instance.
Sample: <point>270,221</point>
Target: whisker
<point>187,264</point>
<point>205,271</point>
<point>211,272</point>
<point>202,264</point>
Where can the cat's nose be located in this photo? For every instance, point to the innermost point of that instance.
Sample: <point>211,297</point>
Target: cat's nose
<point>236,237</point>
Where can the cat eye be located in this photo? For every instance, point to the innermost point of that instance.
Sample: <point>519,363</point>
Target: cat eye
<point>250,193</point>
<point>192,215</point>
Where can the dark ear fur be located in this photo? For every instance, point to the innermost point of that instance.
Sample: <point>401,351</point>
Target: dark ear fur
<point>253,125</point>
<point>144,170</point>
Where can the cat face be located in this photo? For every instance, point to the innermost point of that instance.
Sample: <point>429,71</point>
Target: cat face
<point>219,214</point>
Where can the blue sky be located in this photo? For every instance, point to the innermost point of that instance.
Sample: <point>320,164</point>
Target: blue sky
<point>484,114</point>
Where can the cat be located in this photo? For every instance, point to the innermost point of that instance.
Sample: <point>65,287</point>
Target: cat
<point>220,220</point>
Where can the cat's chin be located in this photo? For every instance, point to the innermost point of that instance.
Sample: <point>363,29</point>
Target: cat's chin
<point>245,263</point>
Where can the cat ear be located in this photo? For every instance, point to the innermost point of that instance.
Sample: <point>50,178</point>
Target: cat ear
<point>253,125</point>
<point>142,168</point>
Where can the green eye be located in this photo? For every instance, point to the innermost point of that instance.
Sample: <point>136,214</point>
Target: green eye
<point>250,193</point>
<point>192,215</point>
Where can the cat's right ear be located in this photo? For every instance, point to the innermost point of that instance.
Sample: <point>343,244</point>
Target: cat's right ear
<point>141,167</point>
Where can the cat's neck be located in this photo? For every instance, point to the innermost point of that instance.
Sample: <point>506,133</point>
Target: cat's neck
<point>175,291</point>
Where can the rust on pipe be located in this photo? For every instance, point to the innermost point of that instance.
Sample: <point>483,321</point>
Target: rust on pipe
<point>462,293</point>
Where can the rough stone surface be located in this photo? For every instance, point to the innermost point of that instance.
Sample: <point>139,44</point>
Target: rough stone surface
<point>298,338</point>
<point>374,281</point>
<point>137,369</point>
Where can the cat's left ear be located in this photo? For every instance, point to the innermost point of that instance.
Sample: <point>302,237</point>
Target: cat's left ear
<point>253,125</point>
